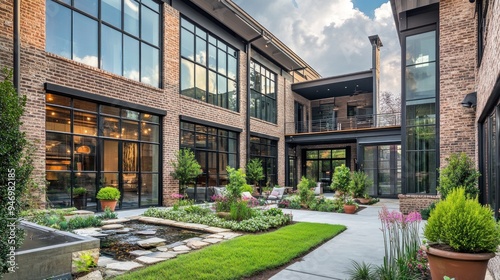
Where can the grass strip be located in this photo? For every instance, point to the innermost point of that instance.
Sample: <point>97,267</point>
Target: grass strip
<point>242,256</point>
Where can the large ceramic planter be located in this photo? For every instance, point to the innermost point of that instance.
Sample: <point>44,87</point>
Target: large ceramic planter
<point>108,203</point>
<point>349,209</point>
<point>461,266</point>
<point>80,202</point>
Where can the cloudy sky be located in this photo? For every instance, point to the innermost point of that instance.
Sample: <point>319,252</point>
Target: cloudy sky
<point>332,35</point>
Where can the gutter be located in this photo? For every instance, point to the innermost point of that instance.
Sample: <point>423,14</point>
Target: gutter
<point>17,45</point>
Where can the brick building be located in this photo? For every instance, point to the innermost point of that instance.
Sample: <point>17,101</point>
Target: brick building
<point>116,87</point>
<point>450,89</point>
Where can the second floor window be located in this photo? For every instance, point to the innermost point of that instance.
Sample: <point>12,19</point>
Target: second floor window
<point>208,67</point>
<point>119,36</point>
<point>263,93</point>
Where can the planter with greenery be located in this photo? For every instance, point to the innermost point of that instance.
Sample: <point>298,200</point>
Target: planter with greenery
<point>109,197</point>
<point>304,190</point>
<point>463,236</point>
<point>254,172</point>
<point>341,181</point>
<point>460,172</point>
<point>186,169</point>
<point>79,197</point>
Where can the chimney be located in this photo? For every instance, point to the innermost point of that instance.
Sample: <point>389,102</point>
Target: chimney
<point>376,44</point>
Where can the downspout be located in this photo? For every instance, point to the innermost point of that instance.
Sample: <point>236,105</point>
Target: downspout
<point>17,47</point>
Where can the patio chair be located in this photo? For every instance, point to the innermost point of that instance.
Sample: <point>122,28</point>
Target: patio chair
<point>276,194</point>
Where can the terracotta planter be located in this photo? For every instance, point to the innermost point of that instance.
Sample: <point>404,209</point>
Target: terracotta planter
<point>363,200</point>
<point>349,209</point>
<point>461,266</point>
<point>108,203</point>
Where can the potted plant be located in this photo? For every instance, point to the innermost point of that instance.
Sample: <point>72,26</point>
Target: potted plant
<point>462,235</point>
<point>366,199</point>
<point>350,206</point>
<point>109,197</point>
<point>254,172</point>
<point>342,183</point>
<point>186,169</point>
<point>79,197</point>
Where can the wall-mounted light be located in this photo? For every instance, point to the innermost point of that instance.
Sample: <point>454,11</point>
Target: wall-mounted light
<point>268,43</point>
<point>470,100</point>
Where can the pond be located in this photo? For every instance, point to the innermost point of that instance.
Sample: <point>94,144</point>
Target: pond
<point>119,243</point>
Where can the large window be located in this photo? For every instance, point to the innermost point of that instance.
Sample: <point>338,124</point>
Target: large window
<point>90,145</point>
<point>215,149</point>
<point>209,67</point>
<point>320,164</point>
<point>490,155</point>
<point>382,164</point>
<point>119,36</point>
<point>263,93</point>
<point>267,151</point>
<point>420,105</point>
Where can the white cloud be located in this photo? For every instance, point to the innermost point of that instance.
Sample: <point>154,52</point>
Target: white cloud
<point>332,35</point>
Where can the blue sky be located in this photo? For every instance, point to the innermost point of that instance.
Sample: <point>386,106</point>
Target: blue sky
<point>332,35</point>
<point>368,6</point>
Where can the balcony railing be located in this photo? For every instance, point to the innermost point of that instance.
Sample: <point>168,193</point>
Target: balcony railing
<point>354,122</point>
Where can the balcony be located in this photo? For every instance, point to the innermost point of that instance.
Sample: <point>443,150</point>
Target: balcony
<point>342,124</point>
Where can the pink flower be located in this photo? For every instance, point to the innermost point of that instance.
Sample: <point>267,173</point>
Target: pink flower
<point>176,196</point>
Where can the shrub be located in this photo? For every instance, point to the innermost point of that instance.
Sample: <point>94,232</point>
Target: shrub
<point>305,193</point>
<point>463,224</point>
<point>273,212</point>
<point>108,193</point>
<point>186,168</point>
<point>237,180</point>
<point>246,188</point>
<point>341,180</point>
<point>240,211</point>
<point>108,214</point>
<point>85,262</point>
<point>426,212</point>
<point>254,171</point>
<point>460,171</point>
<point>16,165</point>
<point>359,183</point>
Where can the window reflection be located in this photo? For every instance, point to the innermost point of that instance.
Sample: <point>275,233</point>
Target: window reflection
<point>263,98</point>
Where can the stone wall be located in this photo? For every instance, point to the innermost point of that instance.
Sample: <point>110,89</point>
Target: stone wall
<point>415,202</point>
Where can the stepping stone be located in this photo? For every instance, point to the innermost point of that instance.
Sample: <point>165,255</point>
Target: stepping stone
<point>180,252</point>
<point>114,221</point>
<point>123,230</point>
<point>94,275</point>
<point>148,260</point>
<point>82,212</point>
<point>151,242</point>
<point>181,248</point>
<point>98,235</point>
<point>178,243</point>
<point>112,226</point>
<point>212,240</point>
<point>216,229</point>
<point>162,248</point>
<point>163,255</point>
<point>218,236</point>
<point>123,266</point>
<point>196,244</point>
<point>146,232</point>
<point>139,253</point>
<point>111,273</point>
<point>230,235</point>
<point>193,239</point>
<point>104,260</point>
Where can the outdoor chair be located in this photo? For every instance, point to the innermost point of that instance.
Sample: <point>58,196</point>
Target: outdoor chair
<point>276,194</point>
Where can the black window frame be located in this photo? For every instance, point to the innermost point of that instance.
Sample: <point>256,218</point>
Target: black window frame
<point>210,40</point>
<point>266,150</point>
<point>121,30</point>
<point>259,99</point>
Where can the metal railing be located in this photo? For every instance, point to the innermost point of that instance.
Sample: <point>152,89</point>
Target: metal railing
<point>349,123</point>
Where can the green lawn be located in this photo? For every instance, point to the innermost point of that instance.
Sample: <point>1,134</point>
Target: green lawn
<point>242,256</point>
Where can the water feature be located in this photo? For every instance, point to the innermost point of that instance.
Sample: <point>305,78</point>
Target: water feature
<point>119,243</point>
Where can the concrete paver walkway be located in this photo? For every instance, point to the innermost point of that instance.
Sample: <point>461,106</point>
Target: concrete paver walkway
<point>362,241</point>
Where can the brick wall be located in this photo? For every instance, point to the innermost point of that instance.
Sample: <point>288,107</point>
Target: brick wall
<point>457,53</point>
<point>39,67</point>
<point>414,202</point>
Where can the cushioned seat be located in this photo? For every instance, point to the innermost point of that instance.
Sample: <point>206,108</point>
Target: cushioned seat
<point>276,194</point>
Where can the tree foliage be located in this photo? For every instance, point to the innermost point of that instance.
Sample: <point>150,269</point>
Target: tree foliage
<point>15,167</point>
<point>186,168</point>
<point>254,171</point>
<point>460,172</point>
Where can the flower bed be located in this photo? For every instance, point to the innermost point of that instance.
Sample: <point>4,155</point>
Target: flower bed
<point>260,220</point>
